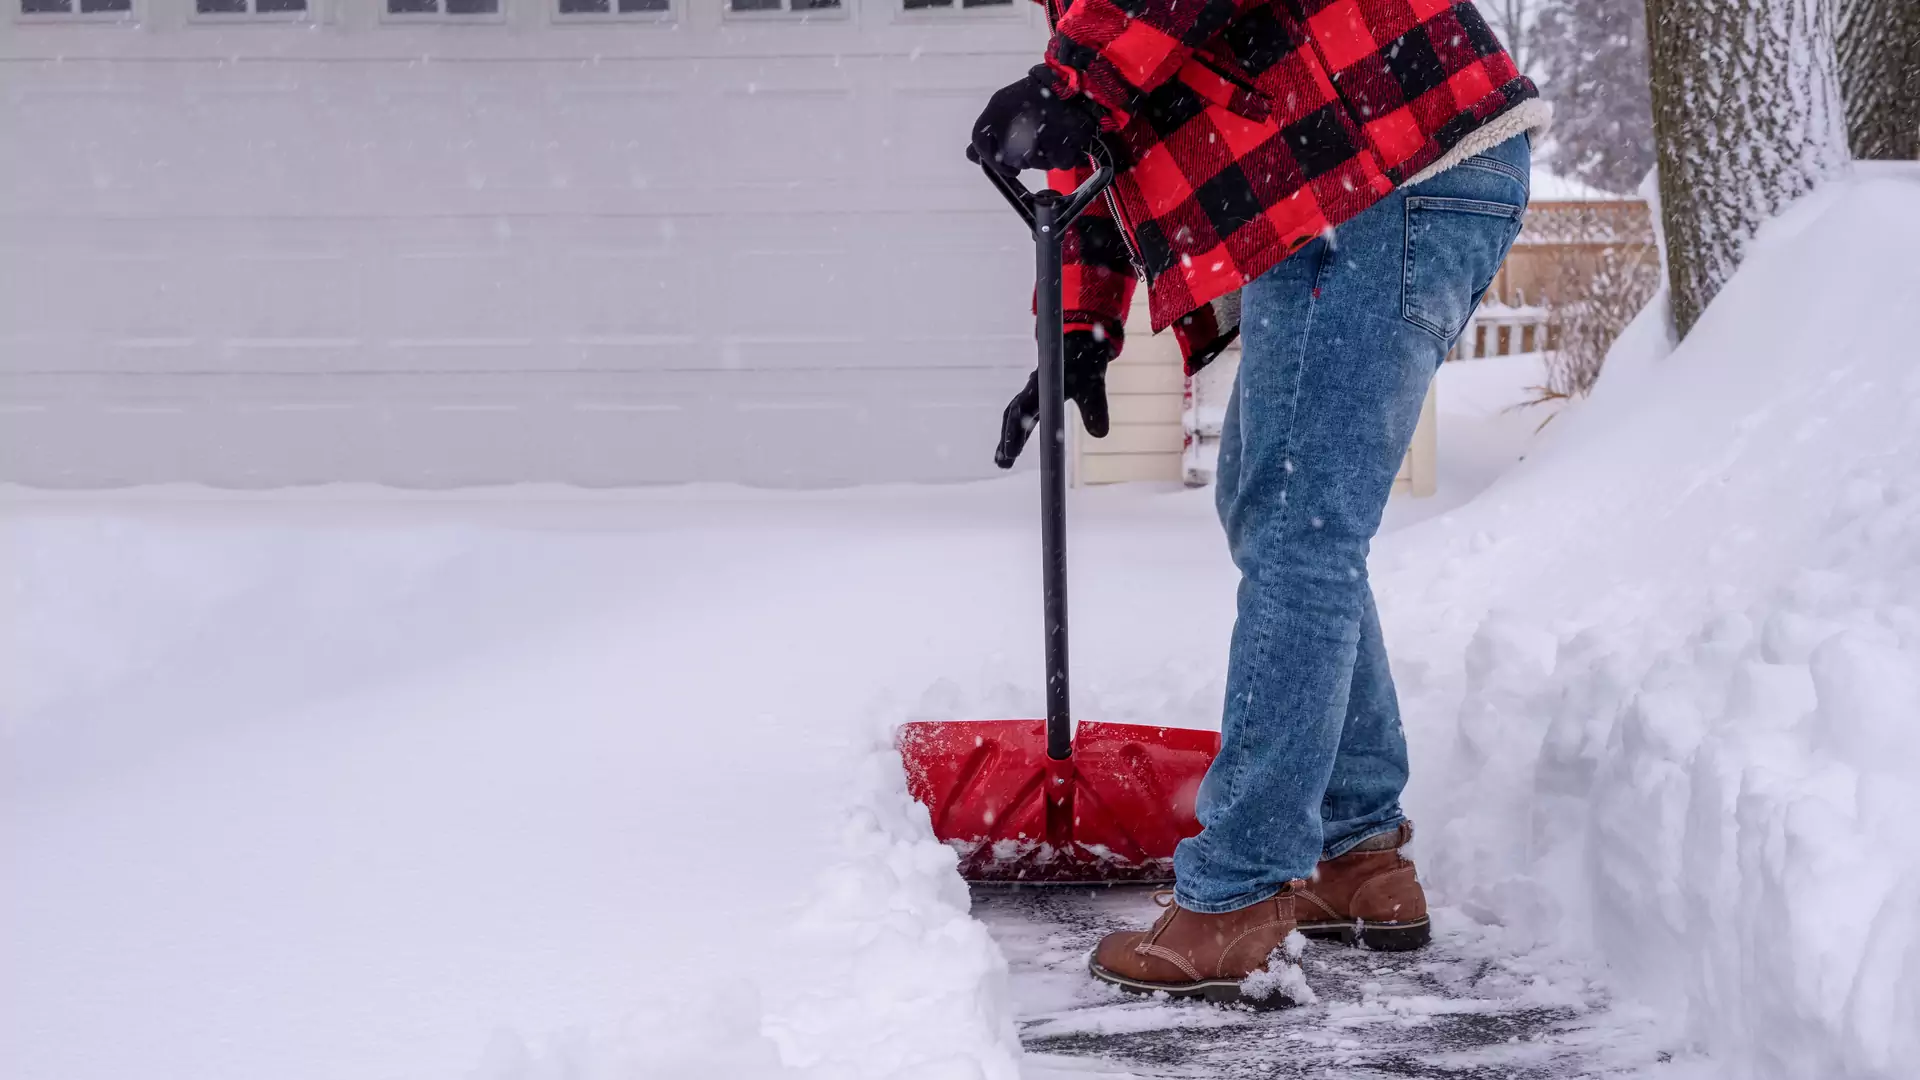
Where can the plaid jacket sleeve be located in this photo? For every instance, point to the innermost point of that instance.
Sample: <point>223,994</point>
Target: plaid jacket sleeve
<point>1097,282</point>
<point>1115,51</point>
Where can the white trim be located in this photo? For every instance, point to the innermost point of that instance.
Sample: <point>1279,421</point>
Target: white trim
<point>440,17</point>
<point>251,17</point>
<point>955,12</point>
<point>841,14</point>
<point>556,17</point>
<point>134,16</point>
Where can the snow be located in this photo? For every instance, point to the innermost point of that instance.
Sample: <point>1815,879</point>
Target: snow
<point>1282,975</point>
<point>1677,647</point>
<point>319,787</point>
<point>1548,186</point>
<point>536,783</point>
<point>1485,420</point>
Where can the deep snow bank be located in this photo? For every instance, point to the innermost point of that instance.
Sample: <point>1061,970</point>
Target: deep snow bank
<point>1672,663</point>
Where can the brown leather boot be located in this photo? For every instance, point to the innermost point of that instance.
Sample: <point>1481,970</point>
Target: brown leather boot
<point>1370,896</point>
<point>1190,955</point>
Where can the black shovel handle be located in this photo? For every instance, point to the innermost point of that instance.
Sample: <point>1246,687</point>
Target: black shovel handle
<point>1047,214</point>
<point>1023,201</point>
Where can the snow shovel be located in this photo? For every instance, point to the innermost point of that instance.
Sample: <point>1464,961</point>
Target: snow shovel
<point>1044,801</point>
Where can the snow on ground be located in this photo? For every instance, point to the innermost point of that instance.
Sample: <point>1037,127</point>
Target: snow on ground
<point>1548,186</point>
<point>1486,422</point>
<point>318,789</point>
<point>530,784</point>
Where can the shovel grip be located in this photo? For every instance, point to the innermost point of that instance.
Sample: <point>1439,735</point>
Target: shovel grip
<point>1022,199</point>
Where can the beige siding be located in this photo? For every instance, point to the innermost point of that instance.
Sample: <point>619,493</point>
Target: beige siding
<point>1419,472</point>
<point>1148,373</point>
<point>1129,468</point>
<point>1145,388</point>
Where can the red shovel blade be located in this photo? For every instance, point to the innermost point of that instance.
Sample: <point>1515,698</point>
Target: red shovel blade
<point>1111,812</point>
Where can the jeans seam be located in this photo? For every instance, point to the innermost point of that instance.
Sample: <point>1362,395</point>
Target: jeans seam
<point>1264,642</point>
<point>1406,269</point>
<point>1461,205</point>
<point>1490,164</point>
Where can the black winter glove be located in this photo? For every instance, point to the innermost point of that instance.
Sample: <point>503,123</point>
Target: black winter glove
<point>1086,370</point>
<point>1027,126</point>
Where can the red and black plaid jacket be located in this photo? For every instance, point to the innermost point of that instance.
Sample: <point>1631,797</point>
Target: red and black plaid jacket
<point>1244,129</point>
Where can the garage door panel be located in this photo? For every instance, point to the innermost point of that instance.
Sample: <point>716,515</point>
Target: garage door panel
<point>933,125</point>
<point>1005,358</point>
<point>876,425</point>
<point>510,146</point>
<point>615,136</point>
<point>46,118</point>
<point>415,130</point>
<point>768,138</point>
<point>154,297</point>
<point>960,293</point>
<point>88,305</point>
<point>803,293</point>
<point>599,295</point>
<point>291,299</point>
<point>237,167</point>
<point>442,295</point>
<point>103,133</point>
<point>958,282</point>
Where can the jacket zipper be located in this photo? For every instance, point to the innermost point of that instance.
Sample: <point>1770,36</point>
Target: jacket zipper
<point>1126,238</point>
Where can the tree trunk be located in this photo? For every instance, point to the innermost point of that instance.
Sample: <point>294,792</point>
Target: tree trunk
<point>1747,118</point>
<point>1879,54</point>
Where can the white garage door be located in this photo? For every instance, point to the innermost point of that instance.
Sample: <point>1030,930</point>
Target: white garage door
<point>426,242</point>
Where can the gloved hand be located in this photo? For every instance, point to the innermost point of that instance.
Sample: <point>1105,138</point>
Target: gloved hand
<point>1027,126</point>
<point>1086,370</point>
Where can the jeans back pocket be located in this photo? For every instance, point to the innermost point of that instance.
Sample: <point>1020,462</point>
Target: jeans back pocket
<point>1454,249</point>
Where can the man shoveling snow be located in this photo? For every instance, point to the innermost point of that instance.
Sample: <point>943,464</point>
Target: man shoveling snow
<point>1243,134</point>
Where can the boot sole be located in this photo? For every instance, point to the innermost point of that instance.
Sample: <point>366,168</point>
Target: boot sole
<point>1216,991</point>
<point>1380,937</point>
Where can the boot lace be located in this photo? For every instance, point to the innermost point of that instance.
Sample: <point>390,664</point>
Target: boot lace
<point>1163,897</point>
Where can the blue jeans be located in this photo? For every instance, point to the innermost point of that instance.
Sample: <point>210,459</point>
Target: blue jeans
<point>1339,345</point>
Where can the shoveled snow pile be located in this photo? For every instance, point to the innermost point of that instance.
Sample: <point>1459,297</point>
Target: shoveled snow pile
<point>1672,663</point>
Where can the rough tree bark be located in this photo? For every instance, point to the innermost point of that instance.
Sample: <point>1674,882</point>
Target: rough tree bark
<point>1879,54</point>
<point>1747,118</point>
